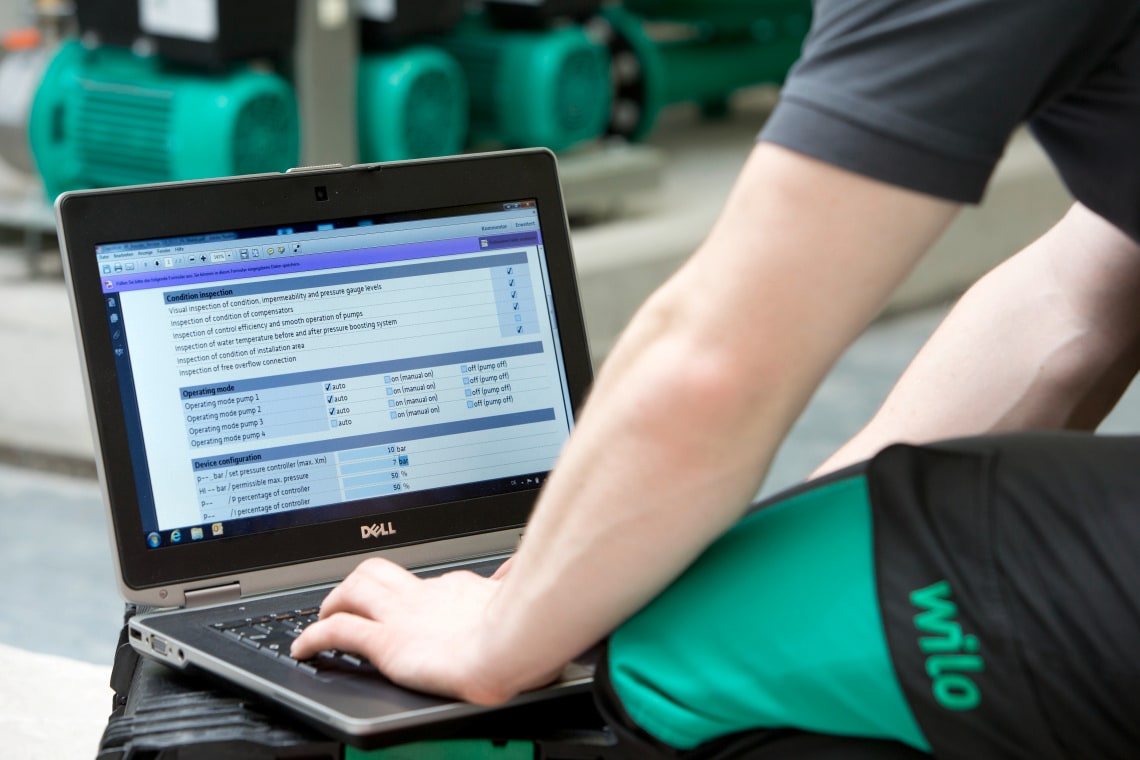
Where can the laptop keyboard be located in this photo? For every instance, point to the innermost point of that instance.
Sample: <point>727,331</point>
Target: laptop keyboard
<point>273,633</point>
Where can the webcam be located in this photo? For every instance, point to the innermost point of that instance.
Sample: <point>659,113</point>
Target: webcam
<point>321,193</point>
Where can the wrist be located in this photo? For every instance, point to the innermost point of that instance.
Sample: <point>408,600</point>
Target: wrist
<point>503,659</point>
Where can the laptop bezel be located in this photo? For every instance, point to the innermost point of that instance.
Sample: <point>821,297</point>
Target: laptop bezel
<point>315,553</point>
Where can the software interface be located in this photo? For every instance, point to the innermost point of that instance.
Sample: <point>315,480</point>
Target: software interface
<point>266,374</point>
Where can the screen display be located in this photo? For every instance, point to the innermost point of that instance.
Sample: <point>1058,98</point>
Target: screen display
<point>280,377</point>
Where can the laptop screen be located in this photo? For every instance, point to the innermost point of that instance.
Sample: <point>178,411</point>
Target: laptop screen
<point>273,378</point>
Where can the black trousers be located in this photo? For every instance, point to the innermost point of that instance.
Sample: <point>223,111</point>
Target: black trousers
<point>1008,576</point>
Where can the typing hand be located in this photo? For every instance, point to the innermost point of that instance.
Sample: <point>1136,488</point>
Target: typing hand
<point>428,634</point>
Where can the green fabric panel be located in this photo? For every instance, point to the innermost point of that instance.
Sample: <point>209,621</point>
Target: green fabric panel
<point>776,625</point>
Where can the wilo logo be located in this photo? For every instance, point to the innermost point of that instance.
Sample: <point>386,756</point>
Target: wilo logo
<point>951,654</point>
<point>375,530</point>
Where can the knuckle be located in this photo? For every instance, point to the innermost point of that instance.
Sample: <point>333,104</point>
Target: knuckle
<point>372,564</point>
<point>374,567</point>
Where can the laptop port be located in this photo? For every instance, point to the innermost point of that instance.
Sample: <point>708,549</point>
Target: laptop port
<point>158,645</point>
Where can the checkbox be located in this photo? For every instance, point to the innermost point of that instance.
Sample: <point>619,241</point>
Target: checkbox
<point>510,270</point>
<point>470,404</point>
<point>518,317</point>
<point>516,306</point>
<point>510,283</point>
<point>329,399</point>
<point>392,415</point>
<point>467,392</point>
<point>466,380</point>
<point>334,423</point>
<point>332,410</point>
<point>391,403</point>
<point>514,294</point>
<point>519,331</point>
<point>389,391</point>
<point>463,369</point>
<point>387,378</point>
<point>328,386</point>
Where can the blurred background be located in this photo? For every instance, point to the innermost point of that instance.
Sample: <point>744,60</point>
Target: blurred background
<point>651,106</point>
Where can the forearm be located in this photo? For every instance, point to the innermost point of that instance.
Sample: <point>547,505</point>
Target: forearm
<point>1048,340</point>
<point>654,472</point>
<point>687,413</point>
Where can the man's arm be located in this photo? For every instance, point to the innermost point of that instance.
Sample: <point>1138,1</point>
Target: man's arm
<point>1048,340</point>
<point>675,439</point>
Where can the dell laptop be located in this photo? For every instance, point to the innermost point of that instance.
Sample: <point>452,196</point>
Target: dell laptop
<point>290,373</point>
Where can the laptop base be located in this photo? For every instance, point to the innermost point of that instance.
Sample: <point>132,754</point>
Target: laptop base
<point>165,714</point>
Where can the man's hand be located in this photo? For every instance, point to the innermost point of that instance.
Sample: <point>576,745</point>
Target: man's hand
<point>424,634</point>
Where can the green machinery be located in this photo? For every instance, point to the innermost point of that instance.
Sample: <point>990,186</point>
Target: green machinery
<point>685,51</point>
<point>411,103</point>
<point>544,87</point>
<point>483,86</point>
<point>107,117</point>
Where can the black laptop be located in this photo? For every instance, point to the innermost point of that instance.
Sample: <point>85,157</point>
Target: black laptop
<point>290,373</point>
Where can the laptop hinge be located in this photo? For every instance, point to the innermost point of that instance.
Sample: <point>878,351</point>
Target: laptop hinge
<point>204,597</point>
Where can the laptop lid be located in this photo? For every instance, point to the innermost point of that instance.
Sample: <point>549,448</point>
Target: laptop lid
<point>287,373</point>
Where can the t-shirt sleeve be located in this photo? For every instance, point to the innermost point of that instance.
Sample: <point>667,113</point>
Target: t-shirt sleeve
<point>925,94</point>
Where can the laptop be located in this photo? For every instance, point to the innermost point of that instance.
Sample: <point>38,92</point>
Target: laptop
<point>290,373</point>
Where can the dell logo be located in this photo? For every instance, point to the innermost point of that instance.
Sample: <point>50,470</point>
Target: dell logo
<point>375,530</point>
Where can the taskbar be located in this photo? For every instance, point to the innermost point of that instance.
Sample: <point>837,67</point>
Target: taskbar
<point>245,526</point>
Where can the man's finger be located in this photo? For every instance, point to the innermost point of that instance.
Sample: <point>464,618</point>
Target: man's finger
<point>345,631</point>
<point>368,589</point>
<point>385,572</point>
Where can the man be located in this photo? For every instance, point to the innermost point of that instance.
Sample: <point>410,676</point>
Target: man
<point>896,114</point>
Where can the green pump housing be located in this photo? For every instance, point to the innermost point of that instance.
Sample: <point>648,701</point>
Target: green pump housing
<point>108,117</point>
<point>411,103</point>
<point>684,51</point>
<point>532,88</point>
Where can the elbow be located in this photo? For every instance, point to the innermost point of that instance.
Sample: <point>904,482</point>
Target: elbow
<point>708,394</point>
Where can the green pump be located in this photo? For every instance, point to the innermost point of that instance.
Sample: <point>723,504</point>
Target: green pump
<point>546,87</point>
<point>108,117</point>
<point>411,103</point>
<point>689,51</point>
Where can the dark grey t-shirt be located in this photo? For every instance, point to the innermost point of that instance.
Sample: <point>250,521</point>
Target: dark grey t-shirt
<point>925,94</point>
